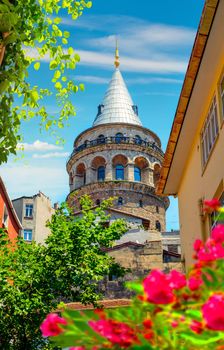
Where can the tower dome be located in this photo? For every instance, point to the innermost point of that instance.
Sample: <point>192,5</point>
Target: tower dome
<point>117,105</point>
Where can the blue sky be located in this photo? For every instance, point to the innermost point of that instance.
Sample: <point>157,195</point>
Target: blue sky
<point>155,42</point>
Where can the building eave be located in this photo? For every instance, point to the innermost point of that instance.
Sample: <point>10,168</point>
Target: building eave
<point>197,53</point>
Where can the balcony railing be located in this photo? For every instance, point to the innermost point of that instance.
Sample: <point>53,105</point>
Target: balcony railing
<point>117,140</point>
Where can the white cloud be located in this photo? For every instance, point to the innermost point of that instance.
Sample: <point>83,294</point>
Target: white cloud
<point>51,155</point>
<point>91,79</point>
<point>38,146</point>
<point>27,180</point>
<point>161,65</point>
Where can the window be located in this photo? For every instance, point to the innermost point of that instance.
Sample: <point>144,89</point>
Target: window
<point>146,224</point>
<point>209,132</point>
<point>119,172</point>
<point>222,95</point>
<point>70,179</point>
<point>140,203</point>
<point>97,202</point>
<point>27,235</point>
<point>101,139</point>
<point>5,217</point>
<point>138,140</point>
<point>158,225</point>
<point>29,211</point>
<point>101,173</point>
<point>157,209</point>
<point>119,137</point>
<point>120,201</point>
<point>137,173</point>
<point>172,248</point>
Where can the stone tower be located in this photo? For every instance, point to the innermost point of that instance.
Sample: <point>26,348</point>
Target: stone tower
<point>118,157</point>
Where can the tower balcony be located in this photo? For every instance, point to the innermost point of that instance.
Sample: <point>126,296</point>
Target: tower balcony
<point>149,146</point>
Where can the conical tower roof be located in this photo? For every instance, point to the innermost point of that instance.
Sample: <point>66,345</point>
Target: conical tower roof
<point>117,105</point>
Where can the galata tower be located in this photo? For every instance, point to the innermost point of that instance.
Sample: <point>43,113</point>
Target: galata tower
<point>118,157</point>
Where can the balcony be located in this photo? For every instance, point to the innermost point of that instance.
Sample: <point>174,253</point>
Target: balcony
<point>117,140</point>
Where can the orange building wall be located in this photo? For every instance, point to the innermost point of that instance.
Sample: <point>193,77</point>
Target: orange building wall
<point>13,228</point>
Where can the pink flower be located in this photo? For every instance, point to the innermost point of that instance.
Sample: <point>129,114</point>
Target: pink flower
<point>212,205</point>
<point>174,324</point>
<point>157,288</point>
<point>213,312</point>
<point>196,327</point>
<point>50,326</point>
<point>194,282</point>
<point>77,348</point>
<point>211,251</point>
<point>116,332</point>
<point>218,234</point>
<point>176,279</point>
<point>197,245</point>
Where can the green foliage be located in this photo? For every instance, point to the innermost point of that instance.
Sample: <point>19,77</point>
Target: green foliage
<point>30,31</point>
<point>35,278</point>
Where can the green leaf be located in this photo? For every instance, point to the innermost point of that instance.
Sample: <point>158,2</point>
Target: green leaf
<point>82,87</point>
<point>66,34</point>
<point>36,65</point>
<point>58,85</point>
<point>70,50</point>
<point>57,74</point>
<point>53,65</point>
<point>57,20</point>
<point>64,41</point>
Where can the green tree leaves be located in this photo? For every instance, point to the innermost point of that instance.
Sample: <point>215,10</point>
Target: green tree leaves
<point>34,278</point>
<point>38,31</point>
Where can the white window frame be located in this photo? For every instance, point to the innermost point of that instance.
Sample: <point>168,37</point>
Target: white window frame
<point>29,210</point>
<point>27,232</point>
<point>209,131</point>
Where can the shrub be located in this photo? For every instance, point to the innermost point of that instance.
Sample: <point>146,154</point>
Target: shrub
<point>170,311</point>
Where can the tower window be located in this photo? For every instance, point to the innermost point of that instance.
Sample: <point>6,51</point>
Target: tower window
<point>158,225</point>
<point>119,137</point>
<point>101,173</point>
<point>120,201</point>
<point>140,203</point>
<point>157,209</point>
<point>146,224</point>
<point>101,139</point>
<point>138,140</point>
<point>137,173</point>
<point>119,172</point>
<point>97,202</point>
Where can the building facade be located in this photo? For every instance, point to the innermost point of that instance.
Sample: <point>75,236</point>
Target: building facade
<point>193,165</point>
<point>8,217</point>
<point>34,212</point>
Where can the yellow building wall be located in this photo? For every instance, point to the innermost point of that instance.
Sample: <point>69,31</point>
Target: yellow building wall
<point>198,184</point>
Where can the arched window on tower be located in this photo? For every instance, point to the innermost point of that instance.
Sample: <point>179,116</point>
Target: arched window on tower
<point>119,172</point>
<point>101,139</point>
<point>101,173</point>
<point>119,137</point>
<point>120,201</point>
<point>158,225</point>
<point>140,203</point>
<point>138,140</point>
<point>137,174</point>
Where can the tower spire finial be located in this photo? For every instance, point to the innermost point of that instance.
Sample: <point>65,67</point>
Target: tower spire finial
<point>116,62</point>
